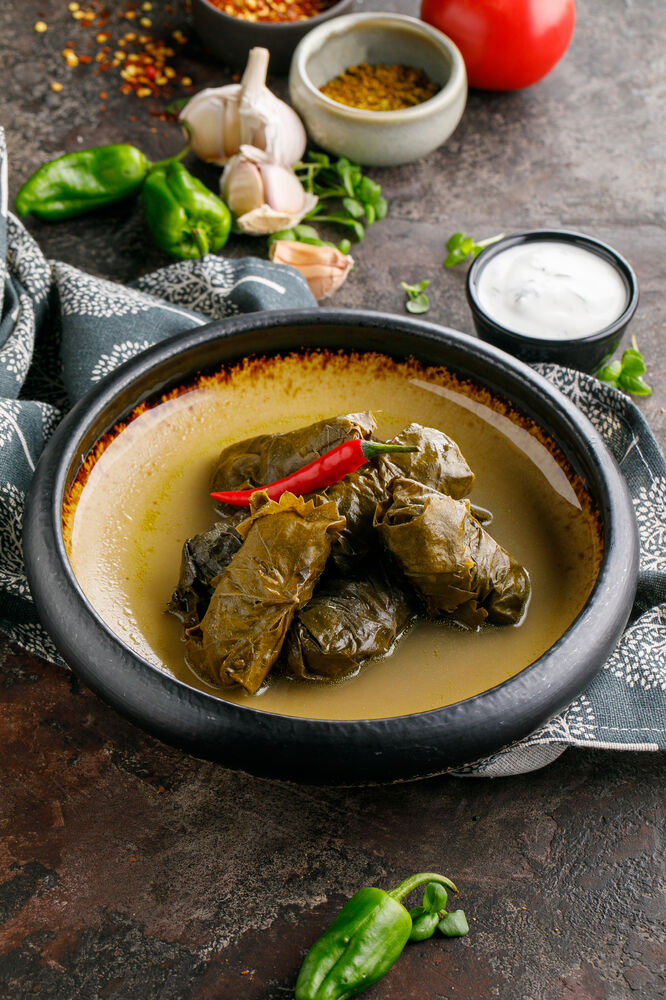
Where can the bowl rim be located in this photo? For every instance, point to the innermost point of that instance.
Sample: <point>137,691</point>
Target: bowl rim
<point>279,26</point>
<point>345,23</point>
<point>591,243</point>
<point>280,745</point>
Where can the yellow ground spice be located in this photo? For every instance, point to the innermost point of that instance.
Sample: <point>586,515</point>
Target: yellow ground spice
<point>380,87</point>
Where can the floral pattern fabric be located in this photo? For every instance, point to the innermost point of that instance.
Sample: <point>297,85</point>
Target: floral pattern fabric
<point>62,330</point>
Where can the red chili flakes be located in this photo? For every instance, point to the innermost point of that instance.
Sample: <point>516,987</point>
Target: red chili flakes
<point>143,61</point>
<point>272,10</point>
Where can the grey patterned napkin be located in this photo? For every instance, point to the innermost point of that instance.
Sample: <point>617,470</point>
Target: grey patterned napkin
<point>61,330</point>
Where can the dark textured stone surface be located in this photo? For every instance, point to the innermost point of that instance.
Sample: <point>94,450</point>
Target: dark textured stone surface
<point>130,870</point>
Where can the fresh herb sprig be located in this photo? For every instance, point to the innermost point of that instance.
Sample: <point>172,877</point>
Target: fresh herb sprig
<point>346,195</point>
<point>460,246</point>
<point>417,300</point>
<point>626,374</point>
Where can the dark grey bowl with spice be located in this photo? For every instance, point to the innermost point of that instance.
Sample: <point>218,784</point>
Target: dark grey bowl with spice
<point>231,37</point>
<point>315,749</point>
<point>369,137</point>
<point>571,307</point>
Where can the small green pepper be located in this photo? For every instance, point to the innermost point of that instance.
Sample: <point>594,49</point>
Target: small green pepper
<point>362,943</point>
<point>186,220</point>
<point>83,181</point>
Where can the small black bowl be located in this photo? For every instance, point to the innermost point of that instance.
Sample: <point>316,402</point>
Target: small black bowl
<point>583,353</point>
<point>231,38</point>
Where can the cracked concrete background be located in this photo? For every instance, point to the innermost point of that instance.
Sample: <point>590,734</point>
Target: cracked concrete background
<point>129,870</point>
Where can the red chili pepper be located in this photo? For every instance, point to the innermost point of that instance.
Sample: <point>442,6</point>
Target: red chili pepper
<point>330,468</point>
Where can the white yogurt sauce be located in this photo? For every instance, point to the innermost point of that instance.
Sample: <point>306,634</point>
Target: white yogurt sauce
<point>551,290</point>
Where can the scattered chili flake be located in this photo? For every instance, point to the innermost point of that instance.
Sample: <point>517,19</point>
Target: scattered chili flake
<point>41,27</point>
<point>272,10</point>
<point>56,86</point>
<point>380,87</point>
<point>148,53</point>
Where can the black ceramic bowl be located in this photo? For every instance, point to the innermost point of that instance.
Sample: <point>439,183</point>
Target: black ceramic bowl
<point>583,353</point>
<point>231,38</point>
<point>308,749</point>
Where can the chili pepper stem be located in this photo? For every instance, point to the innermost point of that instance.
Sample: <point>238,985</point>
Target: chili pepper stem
<point>179,156</point>
<point>373,448</point>
<point>414,881</point>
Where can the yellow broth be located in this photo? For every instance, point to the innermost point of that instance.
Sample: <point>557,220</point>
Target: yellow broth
<point>147,491</point>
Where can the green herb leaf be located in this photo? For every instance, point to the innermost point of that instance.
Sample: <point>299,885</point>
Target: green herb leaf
<point>460,246</point>
<point>345,194</point>
<point>454,924</point>
<point>633,363</point>
<point>626,374</point>
<point>354,207</point>
<point>417,300</point>
<point>634,385</point>
<point>611,372</point>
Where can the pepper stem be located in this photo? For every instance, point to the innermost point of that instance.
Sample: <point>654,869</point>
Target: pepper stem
<point>201,241</point>
<point>179,156</point>
<point>414,881</point>
<point>371,449</point>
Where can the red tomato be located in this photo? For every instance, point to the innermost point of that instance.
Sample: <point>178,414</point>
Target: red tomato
<point>506,44</point>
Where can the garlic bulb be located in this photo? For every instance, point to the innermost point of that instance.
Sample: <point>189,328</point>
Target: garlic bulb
<point>324,268</point>
<point>221,119</point>
<point>264,196</point>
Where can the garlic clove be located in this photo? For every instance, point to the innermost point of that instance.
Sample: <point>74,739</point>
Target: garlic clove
<point>242,187</point>
<point>282,189</point>
<point>324,268</point>
<point>264,196</point>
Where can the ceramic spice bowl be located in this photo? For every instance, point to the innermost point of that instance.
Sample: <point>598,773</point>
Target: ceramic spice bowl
<point>377,138</point>
<point>552,295</point>
<point>231,38</point>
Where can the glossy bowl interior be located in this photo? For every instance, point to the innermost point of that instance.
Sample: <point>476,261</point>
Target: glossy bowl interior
<point>583,353</point>
<point>378,138</point>
<point>231,38</point>
<point>339,750</point>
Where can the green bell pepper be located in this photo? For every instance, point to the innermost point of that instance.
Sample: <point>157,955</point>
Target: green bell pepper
<point>83,181</point>
<point>185,219</point>
<point>362,943</point>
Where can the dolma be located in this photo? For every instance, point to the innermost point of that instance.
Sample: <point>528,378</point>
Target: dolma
<point>451,560</point>
<point>266,458</point>
<point>438,463</point>
<point>284,552</point>
<point>346,622</point>
<point>204,557</point>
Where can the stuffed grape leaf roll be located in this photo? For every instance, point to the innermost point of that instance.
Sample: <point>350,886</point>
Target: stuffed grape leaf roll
<point>284,552</point>
<point>204,557</point>
<point>438,463</point>
<point>451,560</point>
<point>266,458</point>
<point>346,622</point>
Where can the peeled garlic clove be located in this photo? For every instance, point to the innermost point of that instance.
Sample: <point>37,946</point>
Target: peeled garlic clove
<point>264,196</point>
<point>282,189</point>
<point>219,120</point>
<point>324,268</point>
<point>243,187</point>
